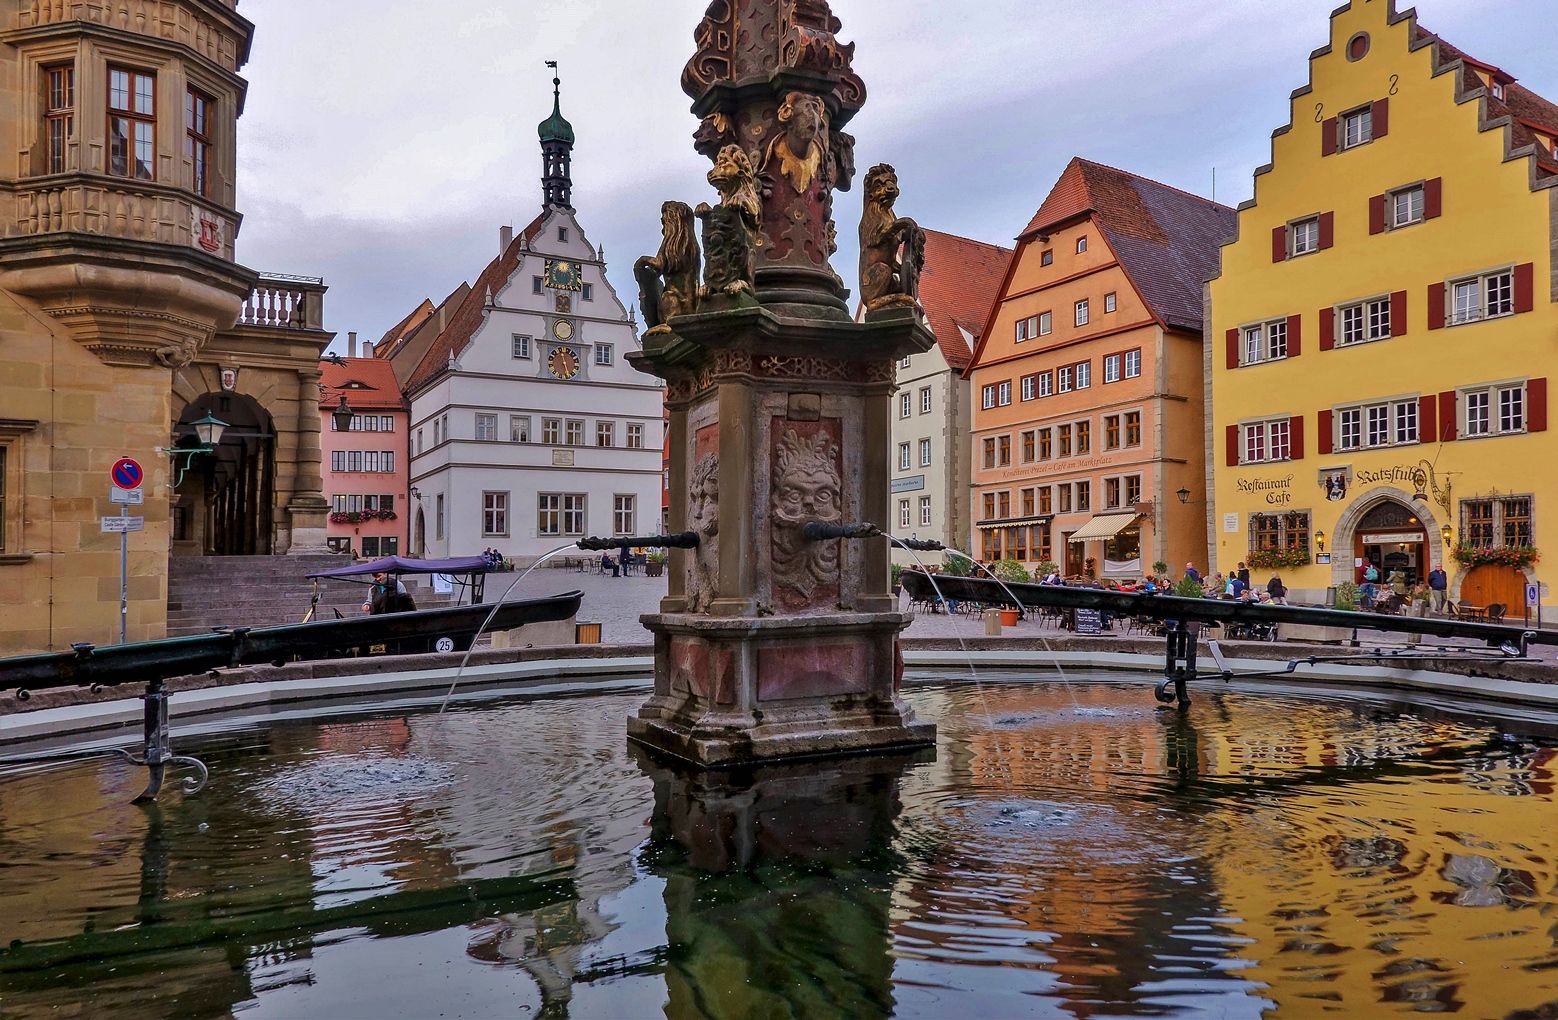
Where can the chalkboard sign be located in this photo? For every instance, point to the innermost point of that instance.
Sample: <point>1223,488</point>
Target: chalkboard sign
<point>1088,621</point>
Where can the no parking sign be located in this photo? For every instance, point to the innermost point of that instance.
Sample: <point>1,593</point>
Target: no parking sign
<point>127,474</point>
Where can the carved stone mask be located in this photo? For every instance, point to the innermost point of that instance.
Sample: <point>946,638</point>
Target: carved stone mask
<point>803,115</point>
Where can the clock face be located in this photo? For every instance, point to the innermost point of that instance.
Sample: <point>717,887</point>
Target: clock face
<point>563,363</point>
<point>563,275</point>
<point>562,329</point>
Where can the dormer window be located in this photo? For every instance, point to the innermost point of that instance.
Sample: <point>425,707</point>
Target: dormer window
<point>1498,91</point>
<point>1082,244</point>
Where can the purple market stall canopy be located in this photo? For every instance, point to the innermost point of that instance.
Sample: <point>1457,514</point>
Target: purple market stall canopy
<point>397,565</point>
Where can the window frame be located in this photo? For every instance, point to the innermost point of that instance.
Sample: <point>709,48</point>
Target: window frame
<point>1498,521</point>
<point>494,513</point>
<point>904,456</point>
<point>1493,395</point>
<point>925,453</point>
<point>1268,342</point>
<point>925,400</point>
<point>1046,384</point>
<point>1029,390</point>
<point>1132,423</point>
<point>1267,430</point>
<point>1365,117</point>
<point>1373,319</point>
<point>198,142</point>
<point>633,436</point>
<point>1309,227</point>
<point>905,405</point>
<point>1082,244</point>
<point>1112,364</point>
<point>624,508</point>
<point>1081,312</point>
<point>135,119</point>
<point>59,115</point>
<point>1110,302</point>
<point>552,431</point>
<point>486,427</point>
<point>573,431</point>
<point>1003,393</point>
<point>606,430</point>
<point>925,512</point>
<point>519,428</point>
<point>987,396</point>
<point>1047,257</point>
<point>1481,281</point>
<point>1392,219</point>
<point>604,350</point>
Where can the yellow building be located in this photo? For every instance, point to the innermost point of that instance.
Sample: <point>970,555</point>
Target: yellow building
<point>1380,336</point>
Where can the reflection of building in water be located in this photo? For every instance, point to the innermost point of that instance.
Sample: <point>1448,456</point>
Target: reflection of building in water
<point>1078,886</point>
<point>778,887</point>
<point>1349,905</point>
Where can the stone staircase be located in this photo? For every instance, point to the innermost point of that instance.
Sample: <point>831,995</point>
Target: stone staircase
<point>266,591</point>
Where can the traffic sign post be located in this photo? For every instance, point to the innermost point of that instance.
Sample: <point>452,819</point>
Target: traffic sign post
<point>126,476</point>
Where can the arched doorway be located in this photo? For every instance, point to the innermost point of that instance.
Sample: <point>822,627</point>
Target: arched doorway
<point>224,503</point>
<point>419,542</point>
<point>1392,537</point>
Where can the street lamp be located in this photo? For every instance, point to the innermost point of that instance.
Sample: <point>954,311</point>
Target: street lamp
<point>209,431</point>
<point>1320,541</point>
<point>1446,534</point>
<point>1183,494</point>
<point>342,416</point>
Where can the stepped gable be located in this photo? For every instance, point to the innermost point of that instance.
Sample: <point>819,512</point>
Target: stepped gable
<point>469,316</point>
<point>1167,240</point>
<point>1524,112</point>
<point>958,285</point>
<point>368,383</point>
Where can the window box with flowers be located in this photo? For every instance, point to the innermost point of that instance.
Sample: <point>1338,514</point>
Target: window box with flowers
<point>1518,556</point>
<point>359,516</point>
<point>1275,559</point>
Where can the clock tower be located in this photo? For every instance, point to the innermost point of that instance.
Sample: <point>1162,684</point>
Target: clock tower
<point>556,151</point>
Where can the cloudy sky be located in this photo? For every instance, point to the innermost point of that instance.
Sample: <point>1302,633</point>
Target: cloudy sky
<point>385,141</point>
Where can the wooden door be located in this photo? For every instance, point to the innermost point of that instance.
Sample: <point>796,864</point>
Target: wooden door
<point>1491,583</point>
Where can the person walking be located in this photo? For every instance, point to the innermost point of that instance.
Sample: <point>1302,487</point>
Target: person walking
<point>1243,574</point>
<point>1192,574</point>
<point>1438,590</point>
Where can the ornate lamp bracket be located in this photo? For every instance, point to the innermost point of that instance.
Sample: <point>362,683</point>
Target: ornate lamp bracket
<point>1425,482</point>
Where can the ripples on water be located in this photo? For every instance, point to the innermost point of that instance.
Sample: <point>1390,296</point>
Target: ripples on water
<point>1067,853</point>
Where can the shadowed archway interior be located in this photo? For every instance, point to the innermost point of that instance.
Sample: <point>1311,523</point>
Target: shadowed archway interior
<point>227,496</point>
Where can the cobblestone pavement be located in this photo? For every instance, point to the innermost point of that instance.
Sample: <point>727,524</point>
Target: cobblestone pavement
<point>617,602</point>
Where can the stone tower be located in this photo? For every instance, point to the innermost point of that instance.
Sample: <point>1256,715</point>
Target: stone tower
<point>116,267</point>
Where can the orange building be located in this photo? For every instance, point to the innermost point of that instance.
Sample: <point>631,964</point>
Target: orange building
<point>1089,433</point>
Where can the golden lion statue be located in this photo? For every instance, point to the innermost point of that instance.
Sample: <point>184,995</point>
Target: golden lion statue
<point>730,229</point>
<point>888,280</point>
<point>668,282</point>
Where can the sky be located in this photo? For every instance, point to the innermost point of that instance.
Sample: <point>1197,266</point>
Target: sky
<point>384,142</point>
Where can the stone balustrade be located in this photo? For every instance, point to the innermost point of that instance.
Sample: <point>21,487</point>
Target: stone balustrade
<point>113,207</point>
<point>285,302</point>
<point>172,22</point>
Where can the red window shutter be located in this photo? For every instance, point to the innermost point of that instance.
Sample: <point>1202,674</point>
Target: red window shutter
<point>1296,437</point>
<point>1233,348</point>
<point>1327,329</point>
<point>1433,198</point>
<point>1233,446</point>
<point>1323,430</point>
<point>1427,418</point>
<point>1398,313</point>
<point>1447,416</point>
<point>1536,405</point>
<point>1377,214</point>
<point>1381,118</point>
<point>1295,335</point>
<point>1327,229</point>
<point>1525,290</point>
<point>1328,136</point>
<point>1436,306</point>
<point>1279,243</point>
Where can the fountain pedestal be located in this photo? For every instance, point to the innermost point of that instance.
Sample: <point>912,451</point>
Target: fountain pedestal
<point>769,644</point>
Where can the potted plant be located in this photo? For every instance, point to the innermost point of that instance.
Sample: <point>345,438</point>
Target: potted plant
<point>1011,572</point>
<point>1090,568</point>
<point>654,563</point>
<point>1160,568</point>
<point>897,574</point>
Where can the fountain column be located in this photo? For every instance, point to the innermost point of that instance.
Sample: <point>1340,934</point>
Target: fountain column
<point>769,644</point>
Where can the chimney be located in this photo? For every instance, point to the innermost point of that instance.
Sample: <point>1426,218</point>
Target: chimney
<point>505,238</point>
<point>351,344</point>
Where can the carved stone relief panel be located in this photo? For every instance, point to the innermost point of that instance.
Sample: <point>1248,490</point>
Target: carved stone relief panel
<point>703,519</point>
<point>805,464</point>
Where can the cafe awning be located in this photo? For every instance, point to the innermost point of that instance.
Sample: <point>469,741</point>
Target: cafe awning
<point>1013,522</point>
<point>1102,527</point>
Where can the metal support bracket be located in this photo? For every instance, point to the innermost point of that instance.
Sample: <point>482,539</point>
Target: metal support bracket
<point>1179,666</point>
<point>157,748</point>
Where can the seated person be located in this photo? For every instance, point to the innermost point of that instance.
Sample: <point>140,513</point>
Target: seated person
<point>382,586</point>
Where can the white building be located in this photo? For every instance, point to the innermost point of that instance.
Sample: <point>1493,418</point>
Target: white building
<point>932,410</point>
<point>528,426</point>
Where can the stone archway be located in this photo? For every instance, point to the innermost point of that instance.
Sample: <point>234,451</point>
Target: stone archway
<point>1347,526</point>
<point>419,535</point>
<point>228,495</point>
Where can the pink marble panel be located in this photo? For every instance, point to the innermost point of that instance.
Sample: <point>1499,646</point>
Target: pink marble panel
<point>812,671</point>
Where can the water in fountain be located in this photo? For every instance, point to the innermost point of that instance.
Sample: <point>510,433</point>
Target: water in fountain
<point>488,621</point>
<point>1054,659</point>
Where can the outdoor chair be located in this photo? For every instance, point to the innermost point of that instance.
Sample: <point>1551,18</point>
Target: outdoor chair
<point>1496,611</point>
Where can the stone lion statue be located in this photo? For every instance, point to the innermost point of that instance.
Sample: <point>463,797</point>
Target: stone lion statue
<point>703,519</point>
<point>807,487</point>
<point>668,282</point>
<point>730,229</point>
<point>892,248</point>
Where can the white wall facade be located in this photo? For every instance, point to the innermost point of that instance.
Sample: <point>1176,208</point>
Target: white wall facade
<point>460,470</point>
<point>943,421</point>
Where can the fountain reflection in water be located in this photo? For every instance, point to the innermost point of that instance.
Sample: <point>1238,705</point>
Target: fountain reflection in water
<point>1118,861</point>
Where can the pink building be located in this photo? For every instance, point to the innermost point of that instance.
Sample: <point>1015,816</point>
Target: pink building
<point>366,467</point>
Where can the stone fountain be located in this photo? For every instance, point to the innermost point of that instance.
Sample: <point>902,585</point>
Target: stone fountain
<point>770,644</point>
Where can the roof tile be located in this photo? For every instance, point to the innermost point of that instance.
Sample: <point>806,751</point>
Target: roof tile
<point>958,284</point>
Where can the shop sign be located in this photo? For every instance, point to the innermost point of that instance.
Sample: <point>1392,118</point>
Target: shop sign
<point>1231,522</point>
<point>1392,537</point>
<point>1278,491</point>
<point>910,484</point>
<point>1395,473</point>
